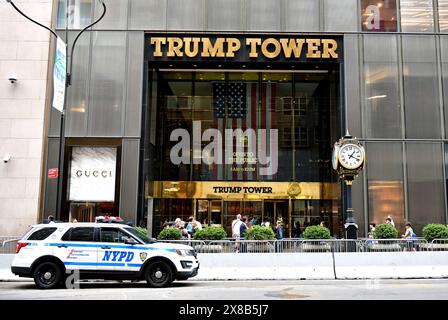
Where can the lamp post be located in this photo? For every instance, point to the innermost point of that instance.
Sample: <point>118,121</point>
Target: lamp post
<point>348,160</point>
<point>68,76</point>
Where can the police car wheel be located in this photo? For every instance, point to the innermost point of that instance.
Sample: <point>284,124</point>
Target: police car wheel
<point>159,274</point>
<point>47,275</point>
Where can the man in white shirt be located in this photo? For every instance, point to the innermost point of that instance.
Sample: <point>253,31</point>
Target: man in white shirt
<point>236,224</point>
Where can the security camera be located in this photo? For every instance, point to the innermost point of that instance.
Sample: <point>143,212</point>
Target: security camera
<point>12,78</point>
<point>6,158</point>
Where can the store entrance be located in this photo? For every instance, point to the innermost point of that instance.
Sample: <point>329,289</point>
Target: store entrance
<point>276,210</point>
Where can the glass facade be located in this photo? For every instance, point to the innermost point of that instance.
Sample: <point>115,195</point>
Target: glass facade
<point>390,91</point>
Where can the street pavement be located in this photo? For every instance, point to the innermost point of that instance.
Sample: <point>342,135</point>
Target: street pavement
<point>405,289</point>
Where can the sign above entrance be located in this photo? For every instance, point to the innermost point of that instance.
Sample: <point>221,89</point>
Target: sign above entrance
<point>230,190</point>
<point>238,48</point>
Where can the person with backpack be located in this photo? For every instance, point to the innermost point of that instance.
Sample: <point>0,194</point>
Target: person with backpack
<point>409,234</point>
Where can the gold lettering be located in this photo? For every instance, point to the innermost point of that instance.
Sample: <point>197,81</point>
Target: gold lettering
<point>233,44</point>
<point>191,52</point>
<point>292,46</point>
<point>330,47</point>
<point>313,48</point>
<point>253,42</point>
<point>174,46</point>
<point>264,48</point>
<point>216,50</point>
<point>158,45</point>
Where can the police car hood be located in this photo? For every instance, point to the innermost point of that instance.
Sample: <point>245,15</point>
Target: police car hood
<point>164,245</point>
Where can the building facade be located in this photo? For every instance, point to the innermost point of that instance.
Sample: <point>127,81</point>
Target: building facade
<point>24,56</point>
<point>200,108</point>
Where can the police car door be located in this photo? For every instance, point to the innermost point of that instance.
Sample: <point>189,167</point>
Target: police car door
<point>113,254</point>
<point>77,249</point>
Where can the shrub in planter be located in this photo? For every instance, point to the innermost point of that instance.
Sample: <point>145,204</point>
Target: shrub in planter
<point>141,230</point>
<point>316,232</point>
<point>385,231</point>
<point>259,233</point>
<point>210,233</point>
<point>435,231</point>
<point>170,234</point>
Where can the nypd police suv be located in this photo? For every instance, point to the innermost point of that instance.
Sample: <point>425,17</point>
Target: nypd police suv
<point>49,253</point>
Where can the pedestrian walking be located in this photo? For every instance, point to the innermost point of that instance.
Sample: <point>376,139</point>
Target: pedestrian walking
<point>243,228</point>
<point>278,230</point>
<point>236,224</point>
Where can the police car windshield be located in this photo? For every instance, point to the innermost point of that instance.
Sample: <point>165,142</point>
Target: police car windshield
<point>139,235</point>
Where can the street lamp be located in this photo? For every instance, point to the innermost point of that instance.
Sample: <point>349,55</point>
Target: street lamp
<point>68,76</point>
<point>348,160</point>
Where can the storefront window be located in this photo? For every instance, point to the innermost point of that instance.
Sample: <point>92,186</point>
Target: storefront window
<point>236,126</point>
<point>228,143</point>
<point>379,15</point>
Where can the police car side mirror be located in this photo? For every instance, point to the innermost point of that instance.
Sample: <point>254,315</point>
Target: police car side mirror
<point>131,241</point>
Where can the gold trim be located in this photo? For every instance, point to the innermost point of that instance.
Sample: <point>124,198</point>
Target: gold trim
<point>239,190</point>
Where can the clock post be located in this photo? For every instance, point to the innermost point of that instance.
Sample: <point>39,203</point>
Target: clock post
<point>348,160</point>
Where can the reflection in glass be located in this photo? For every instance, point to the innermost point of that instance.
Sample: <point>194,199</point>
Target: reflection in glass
<point>422,111</point>
<point>379,15</point>
<point>385,183</point>
<point>417,16</point>
<point>425,184</point>
<point>443,15</point>
<point>79,11</point>
<point>236,126</point>
<point>383,114</point>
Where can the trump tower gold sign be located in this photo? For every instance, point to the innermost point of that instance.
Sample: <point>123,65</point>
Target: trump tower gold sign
<point>266,48</point>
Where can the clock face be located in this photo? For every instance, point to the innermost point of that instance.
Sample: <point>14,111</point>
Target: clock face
<point>351,156</point>
<point>334,158</point>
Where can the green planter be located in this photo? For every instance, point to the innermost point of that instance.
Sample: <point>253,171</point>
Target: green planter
<point>170,234</point>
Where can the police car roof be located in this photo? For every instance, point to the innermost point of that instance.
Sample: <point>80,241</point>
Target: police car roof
<point>80,224</point>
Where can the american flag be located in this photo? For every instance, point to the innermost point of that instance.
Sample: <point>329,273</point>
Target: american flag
<point>243,105</point>
<point>233,95</point>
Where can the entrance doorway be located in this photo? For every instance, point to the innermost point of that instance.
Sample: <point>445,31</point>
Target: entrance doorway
<point>276,210</point>
<point>209,212</point>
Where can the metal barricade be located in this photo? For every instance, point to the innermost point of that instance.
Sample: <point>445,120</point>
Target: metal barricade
<point>394,245</point>
<point>8,245</point>
<point>437,245</point>
<point>291,245</point>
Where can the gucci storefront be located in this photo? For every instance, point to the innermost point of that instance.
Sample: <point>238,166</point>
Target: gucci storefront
<point>210,109</point>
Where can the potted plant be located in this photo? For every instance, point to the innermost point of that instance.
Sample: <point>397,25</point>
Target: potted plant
<point>314,236</point>
<point>142,230</point>
<point>432,232</point>
<point>384,231</point>
<point>264,234</point>
<point>170,234</point>
<point>210,233</point>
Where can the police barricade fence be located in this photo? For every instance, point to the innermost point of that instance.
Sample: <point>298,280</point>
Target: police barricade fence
<point>297,245</point>
<point>288,245</point>
<point>8,245</point>
<point>435,245</point>
<point>395,245</point>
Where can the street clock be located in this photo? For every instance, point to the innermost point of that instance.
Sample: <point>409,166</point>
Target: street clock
<point>351,156</point>
<point>348,157</point>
